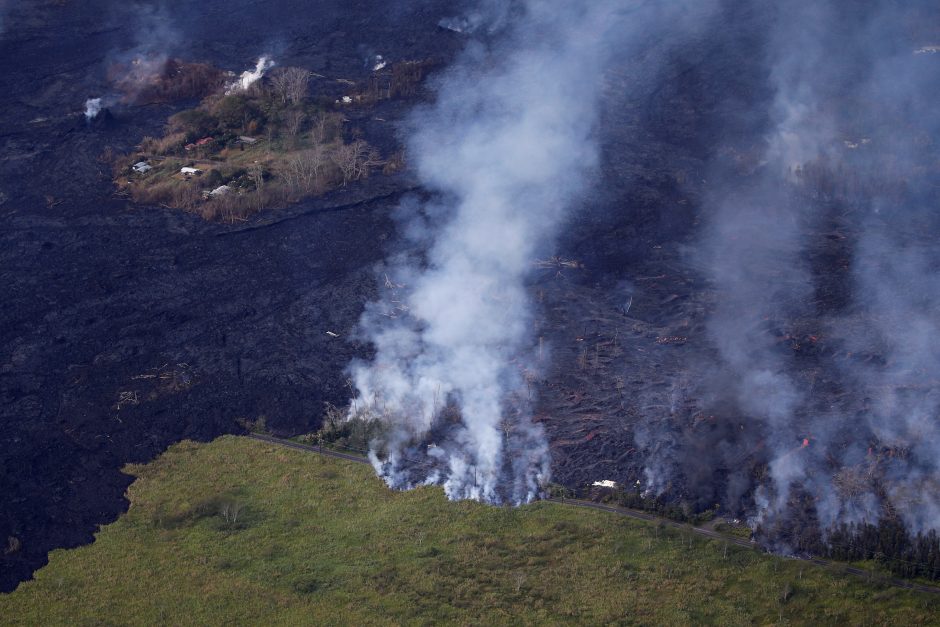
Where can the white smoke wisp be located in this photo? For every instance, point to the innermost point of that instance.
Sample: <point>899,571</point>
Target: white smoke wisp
<point>489,16</point>
<point>250,77</point>
<point>507,147</point>
<point>92,108</point>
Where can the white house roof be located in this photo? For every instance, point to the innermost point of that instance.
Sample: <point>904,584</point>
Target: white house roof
<point>220,190</point>
<point>190,170</point>
<point>606,483</point>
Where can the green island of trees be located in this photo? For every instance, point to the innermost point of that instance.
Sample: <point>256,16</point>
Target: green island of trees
<point>248,147</point>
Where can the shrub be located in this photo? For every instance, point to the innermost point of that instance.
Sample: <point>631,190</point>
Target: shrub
<point>213,179</point>
<point>235,112</point>
<point>193,123</point>
<point>356,433</point>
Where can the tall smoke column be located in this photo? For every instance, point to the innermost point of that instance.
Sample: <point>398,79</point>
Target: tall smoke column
<point>507,147</point>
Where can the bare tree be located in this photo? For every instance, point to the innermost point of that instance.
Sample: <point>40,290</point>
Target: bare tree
<point>293,172</point>
<point>256,174</point>
<point>325,127</point>
<point>346,157</point>
<point>230,511</point>
<point>299,82</point>
<point>507,428</point>
<point>316,159</point>
<point>355,160</point>
<point>290,84</point>
<point>304,170</point>
<point>293,120</point>
<point>279,84</point>
<point>371,160</point>
<point>318,132</point>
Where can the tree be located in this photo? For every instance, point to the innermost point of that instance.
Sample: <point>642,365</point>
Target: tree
<point>346,158</point>
<point>293,120</point>
<point>326,127</point>
<point>193,122</point>
<point>256,174</point>
<point>236,112</point>
<point>229,512</point>
<point>355,160</point>
<point>290,84</point>
<point>304,170</point>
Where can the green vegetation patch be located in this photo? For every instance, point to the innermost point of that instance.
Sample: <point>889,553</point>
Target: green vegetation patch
<point>242,531</point>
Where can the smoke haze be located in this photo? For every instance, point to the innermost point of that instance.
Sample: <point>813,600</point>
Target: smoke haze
<point>848,419</point>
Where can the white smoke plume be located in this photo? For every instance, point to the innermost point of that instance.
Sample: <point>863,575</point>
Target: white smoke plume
<point>846,430</point>
<point>488,15</point>
<point>250,77</point>
<point>92,108</point>
<point>892,313</point>
<point>507,147</point>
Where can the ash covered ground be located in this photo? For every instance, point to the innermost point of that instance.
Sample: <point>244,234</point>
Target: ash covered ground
<point>126,328</point>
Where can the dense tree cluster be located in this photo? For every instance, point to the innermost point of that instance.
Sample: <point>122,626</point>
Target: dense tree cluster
<point>891,544</point>
<point>888,542</point>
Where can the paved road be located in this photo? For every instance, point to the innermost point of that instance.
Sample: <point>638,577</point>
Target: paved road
<point>630,513</point>
<point>359,459</point>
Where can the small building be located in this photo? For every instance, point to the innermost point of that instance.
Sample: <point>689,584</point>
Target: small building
<point>221,190</point>
<point>142,166</point>
<point>247,140</point>
<point>606,483</point>
<point>186,171</point>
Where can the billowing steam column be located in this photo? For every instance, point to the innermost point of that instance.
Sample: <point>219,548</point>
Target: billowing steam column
<point>250,77</point>
<point>505,149</point>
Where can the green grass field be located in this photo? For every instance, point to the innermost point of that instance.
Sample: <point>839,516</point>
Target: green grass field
<point>244,532</point>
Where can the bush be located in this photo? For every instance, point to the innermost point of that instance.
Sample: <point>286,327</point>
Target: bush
<point>235,113</point>
<point>213,179</point>
<point>194,123</point>
<point>356,433</point>
<point>158,193</point>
